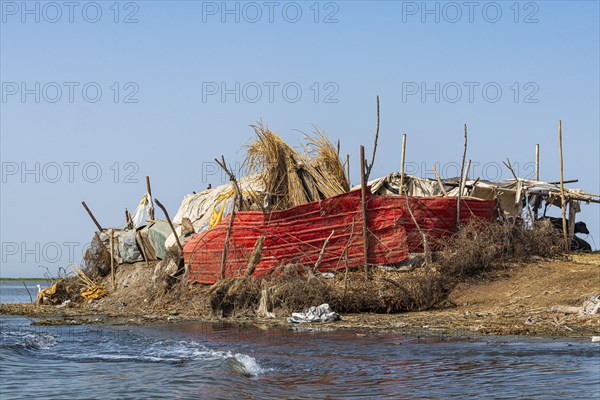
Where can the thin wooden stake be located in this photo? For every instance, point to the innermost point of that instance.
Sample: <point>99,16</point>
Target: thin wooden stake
<point>348,170</point>
<point>345,256</point>
<point>562,188</point>
<point>439,180</point>
<point>226,244</point>
<point>511,169</point>
<point>466,177</point>
<point>322,252</point>
<point>112,257</point>
<point>236,187</point>
<point>363,200</point>
<point>370,166</point>
<point>28,292</point>
<point>92,216</point>
<point>164,210</point>
<point>462,170</point>
<point>467,170</point>
<point>149,190</point>
<point>423,235</point>
<point>537,162</point>
<point>402,164</point>
<point>571,220</point>
<point>128,219</point>
<point>139,237</point>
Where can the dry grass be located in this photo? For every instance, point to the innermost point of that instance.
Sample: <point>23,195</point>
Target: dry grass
<point>480,246</point>
<point>325,159</point>
<point>235,295</point>
<point>296,288</point>
<point>290,178</point>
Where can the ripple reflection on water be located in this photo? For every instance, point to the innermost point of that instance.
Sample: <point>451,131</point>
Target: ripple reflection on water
<point>194,360</point>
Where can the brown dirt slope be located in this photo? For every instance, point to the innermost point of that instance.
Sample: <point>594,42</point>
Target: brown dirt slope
<point>515,300</point>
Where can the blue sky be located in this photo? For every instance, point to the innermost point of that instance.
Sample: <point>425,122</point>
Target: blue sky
<point>96,97</point>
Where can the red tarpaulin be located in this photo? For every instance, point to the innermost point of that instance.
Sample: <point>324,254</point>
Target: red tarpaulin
<point>297,235</point>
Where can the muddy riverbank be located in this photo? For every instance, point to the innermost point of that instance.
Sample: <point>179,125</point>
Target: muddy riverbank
<point>515,300</point>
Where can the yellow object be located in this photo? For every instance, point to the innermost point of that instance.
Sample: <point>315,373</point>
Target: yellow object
<point>48,292</point>
<point>94,293</point>
<point>217,212</point>
<point>216,215</point>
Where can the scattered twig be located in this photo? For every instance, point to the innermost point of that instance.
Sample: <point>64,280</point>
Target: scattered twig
<point>238,192</point>
<point>29,293</point>
<point>164,210</point>
<point>402,163</point>
<point>439,180</point>
<point>370,166</point>
<point>510,168</point>
<point>402,288</point>
<point>226,244</point>
<point>320,258</point>
<point>462,170</point>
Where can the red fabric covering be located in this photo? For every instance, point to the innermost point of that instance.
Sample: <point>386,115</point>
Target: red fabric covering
<point>297,235</point>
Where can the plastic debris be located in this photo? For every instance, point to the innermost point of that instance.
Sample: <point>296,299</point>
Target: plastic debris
<point>322,313</point>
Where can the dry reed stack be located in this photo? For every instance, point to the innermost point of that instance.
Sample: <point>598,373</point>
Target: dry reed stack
<point>290,178</point>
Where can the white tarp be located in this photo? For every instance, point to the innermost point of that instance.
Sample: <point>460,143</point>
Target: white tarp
<point>140,210</point>
<point>207,208</point>
<point>509,193</point>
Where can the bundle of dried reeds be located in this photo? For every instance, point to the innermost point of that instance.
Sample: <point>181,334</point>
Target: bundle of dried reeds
<point>291,178</point>
<point>326,162</point>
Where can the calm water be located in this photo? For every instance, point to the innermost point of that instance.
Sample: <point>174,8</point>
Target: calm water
<point>15,292</point>
<point>196,360</point>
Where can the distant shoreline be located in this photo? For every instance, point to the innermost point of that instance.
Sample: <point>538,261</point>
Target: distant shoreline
<point>22,279</point>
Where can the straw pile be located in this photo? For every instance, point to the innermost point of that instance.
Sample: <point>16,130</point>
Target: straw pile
<point>291,178</point>
<point>325,160</point>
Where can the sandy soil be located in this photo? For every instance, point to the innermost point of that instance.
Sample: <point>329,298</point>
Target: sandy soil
<point>516,300</point>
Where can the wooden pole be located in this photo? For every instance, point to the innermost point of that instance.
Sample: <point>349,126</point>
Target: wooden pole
<point>439,180</point>
<point>348,170</point>
<point>236,187</point>
<point>128,219</point>
<point>571,220</point>
<point>112,257</point>
<point>363,198</point>
<point>149,190</point>
<point>537,175</point>
<point>466,177</point>
<point>537,162</point>
<point>92,216</point>
<point>562,187</point>
<point>462,170</point>
<point>28,292</point>
<point>368,167</point>
<point>142,245</point>
<point>226,244</point>
<point>158,203</point>
<point>402,163</point>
